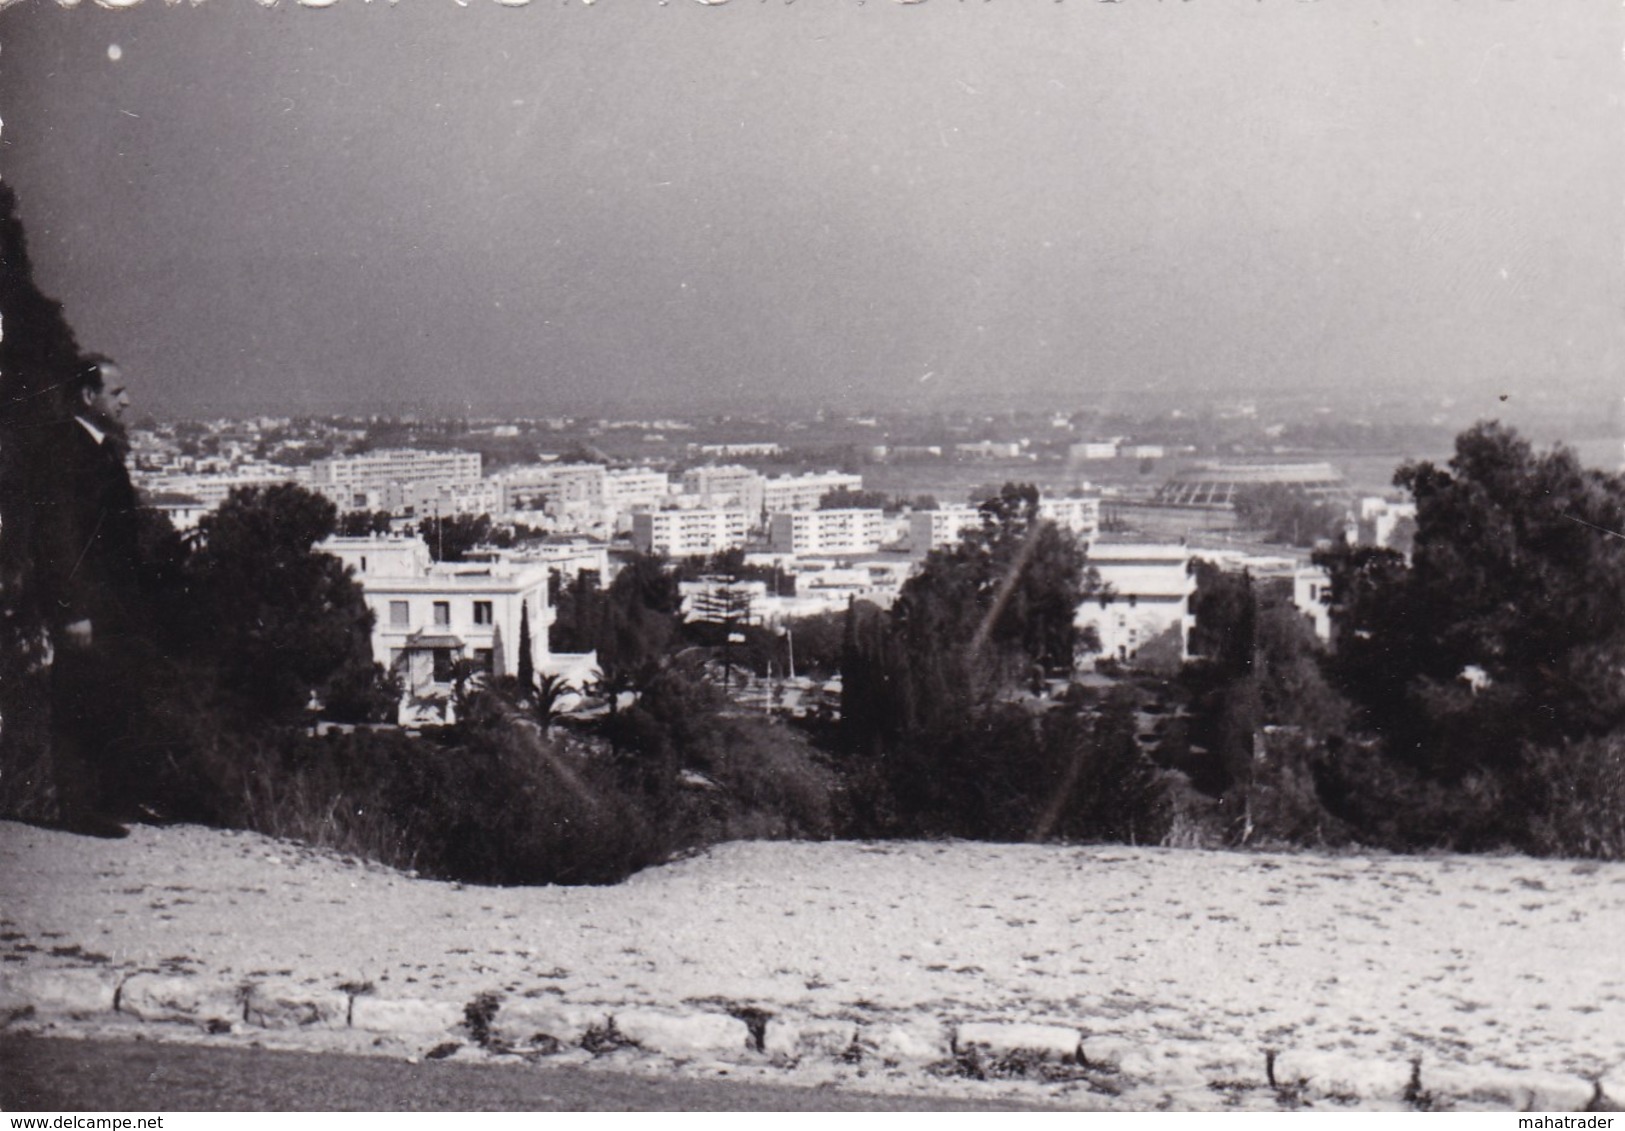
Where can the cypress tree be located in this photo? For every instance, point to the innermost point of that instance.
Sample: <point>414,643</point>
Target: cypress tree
<point>526,670</point>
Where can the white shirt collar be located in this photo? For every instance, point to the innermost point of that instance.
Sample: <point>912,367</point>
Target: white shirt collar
<point>95,433</point>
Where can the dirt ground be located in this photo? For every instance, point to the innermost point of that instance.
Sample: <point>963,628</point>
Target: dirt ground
<point>1189,976</point>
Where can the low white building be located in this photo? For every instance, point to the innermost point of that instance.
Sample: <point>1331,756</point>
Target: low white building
<point>848,531</point>
<point>1093,449</point>
<point>1147,591</point>
<point>566,555</point>
<point>1389,523</point>
<point>428,616</point>
<point>990,449</point>
<point>1312,595</point>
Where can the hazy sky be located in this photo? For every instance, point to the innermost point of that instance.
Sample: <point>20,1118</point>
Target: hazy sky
<point>672,204</point>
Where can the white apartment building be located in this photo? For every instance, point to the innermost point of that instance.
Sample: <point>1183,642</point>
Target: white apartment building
<point>934,530</point>
<point>348,480</point>
<point>427,499</point>
<point>990,449</point>
<point>635,487</point>
<point>732,485</point>
<point>212,490</point>
<point>428,616</point>
<point>686,533</point>
<point>1093,449</point>
<point>523,488</point>
<point>736,450</point>
<point>852,531</point>
<point>1080,516</point>
<point>803,492</point>
<point>1149,587</point>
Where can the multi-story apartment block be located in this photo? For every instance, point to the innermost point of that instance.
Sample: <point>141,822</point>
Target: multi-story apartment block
<point>635,487</point>
<point>212,489</point>
<point>353,482</point>
<point>428,616</point>
<point>803,492</point>
<point>1080,516</point>
<point>853,531</point>
<point>558,483</point>
<point>933,530</point>
<point>1147,590</point>
<point>735,486</point>
<point>685,533</point>
<point>428,499</point>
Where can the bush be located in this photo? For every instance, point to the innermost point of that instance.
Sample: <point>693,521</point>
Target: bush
<point>1282,798</point>
<point>508,807</point>
<point>1388,804</point>
<point>1573,799</point>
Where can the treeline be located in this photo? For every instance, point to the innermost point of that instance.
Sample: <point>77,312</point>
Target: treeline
<point>1474,696</point>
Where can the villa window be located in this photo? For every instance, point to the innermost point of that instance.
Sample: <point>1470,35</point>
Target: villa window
<point>442,614</point>
<point>483,613</point>
<point>400,614</point>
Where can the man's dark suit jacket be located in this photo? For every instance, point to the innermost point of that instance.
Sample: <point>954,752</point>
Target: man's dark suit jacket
<point>86,532</point>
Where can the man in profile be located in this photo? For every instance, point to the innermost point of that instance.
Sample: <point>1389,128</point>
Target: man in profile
<point>87,562</point>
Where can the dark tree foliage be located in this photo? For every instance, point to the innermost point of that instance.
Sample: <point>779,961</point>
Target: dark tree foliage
<point>632,625</point>
<point>275,619</point>
<point>1225,607</point>
<point>1004,599</point>
<point>526,668</point>
<point>450,538</point>
<point>929,713</point>
<point>1287,514</point>
<point>1259,668</point>
<point>1488,672</point>
<point>359,524</point>
<point>1508,626</point>
<point>731,564</point>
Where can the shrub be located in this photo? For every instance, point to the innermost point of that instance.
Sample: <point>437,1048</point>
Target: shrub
<point>1573,798</point>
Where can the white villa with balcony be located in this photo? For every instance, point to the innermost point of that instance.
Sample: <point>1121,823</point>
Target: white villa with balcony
<point>429,615</point>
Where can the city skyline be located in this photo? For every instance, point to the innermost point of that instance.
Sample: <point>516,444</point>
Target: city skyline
<point>909,206</point>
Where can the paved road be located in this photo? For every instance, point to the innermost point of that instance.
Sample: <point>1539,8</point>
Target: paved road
<point>55,1074</point>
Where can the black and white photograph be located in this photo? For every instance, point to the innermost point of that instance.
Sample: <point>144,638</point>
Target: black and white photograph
<point>812,555</point>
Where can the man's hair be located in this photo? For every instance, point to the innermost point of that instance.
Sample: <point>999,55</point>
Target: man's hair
<point>87,374</point>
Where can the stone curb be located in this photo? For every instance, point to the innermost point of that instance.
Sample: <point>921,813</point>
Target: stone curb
<point>546,1025</point>
<point>69,992</point>
<point>174,997</point>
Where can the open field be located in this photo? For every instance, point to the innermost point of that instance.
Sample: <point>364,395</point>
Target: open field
<point>908,966</point>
